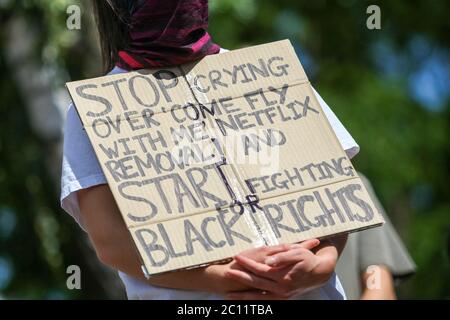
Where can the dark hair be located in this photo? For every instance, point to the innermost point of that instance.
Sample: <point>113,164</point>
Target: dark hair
<point>112,19</point>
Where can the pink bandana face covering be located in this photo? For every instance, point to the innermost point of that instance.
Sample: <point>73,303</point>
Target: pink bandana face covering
<point>166,33</point>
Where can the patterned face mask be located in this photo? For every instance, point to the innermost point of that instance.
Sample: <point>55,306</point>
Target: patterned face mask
<point>165,33</point>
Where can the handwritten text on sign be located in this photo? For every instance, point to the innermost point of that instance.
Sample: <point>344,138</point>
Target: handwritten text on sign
<point>208,159</point>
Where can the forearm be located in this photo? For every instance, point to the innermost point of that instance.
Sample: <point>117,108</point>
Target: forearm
<point>124,257</point>
<point>378,284</point>
<point>208,279</point>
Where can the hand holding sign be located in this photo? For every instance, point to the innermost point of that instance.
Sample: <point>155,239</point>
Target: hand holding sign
<point>297,270</point>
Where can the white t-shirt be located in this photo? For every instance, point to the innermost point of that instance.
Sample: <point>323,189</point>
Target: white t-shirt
<point>81,169</point>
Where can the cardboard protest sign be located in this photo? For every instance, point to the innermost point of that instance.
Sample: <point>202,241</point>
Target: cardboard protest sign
<point>214,157</point>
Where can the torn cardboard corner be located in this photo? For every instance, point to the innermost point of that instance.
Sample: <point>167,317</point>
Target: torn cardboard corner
<point>214,157</point>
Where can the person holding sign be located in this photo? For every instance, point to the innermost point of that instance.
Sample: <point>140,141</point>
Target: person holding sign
<point>147,34</point>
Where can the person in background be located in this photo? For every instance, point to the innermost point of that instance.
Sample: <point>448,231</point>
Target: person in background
<point>374,260</point>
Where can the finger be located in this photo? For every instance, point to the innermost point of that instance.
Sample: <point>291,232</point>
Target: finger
<point>277,248</point>
<point>308,244</point>
<point>253,266</point>
<point>286,258</point>
<point>253,295</point>
<point>251,280</point>
<point>265,250</point>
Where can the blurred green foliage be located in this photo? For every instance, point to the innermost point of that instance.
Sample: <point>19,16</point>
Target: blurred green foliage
<point>390,88</point>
